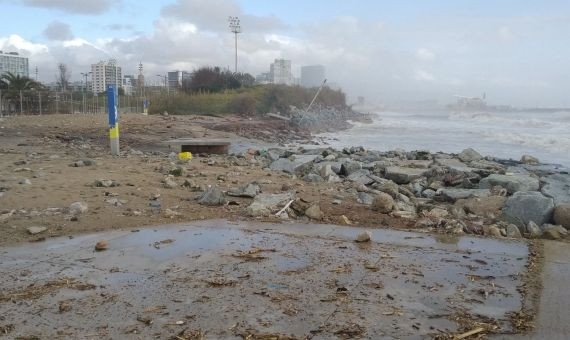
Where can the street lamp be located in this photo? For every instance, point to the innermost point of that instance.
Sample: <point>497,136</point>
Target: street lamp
<point>85,75</point>
<point>235,28</point>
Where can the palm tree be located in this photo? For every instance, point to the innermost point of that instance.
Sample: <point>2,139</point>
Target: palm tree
<point>15,82</point>
<point>12,86</point>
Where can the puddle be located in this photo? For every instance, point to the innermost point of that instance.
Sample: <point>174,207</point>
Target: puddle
<point>304,277</point>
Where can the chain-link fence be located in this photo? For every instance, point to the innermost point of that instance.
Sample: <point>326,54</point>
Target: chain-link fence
<point>50,102</point>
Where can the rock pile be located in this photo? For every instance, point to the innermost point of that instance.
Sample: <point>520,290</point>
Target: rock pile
<point>464,193</point>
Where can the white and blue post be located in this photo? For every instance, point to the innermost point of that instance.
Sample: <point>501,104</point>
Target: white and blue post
<point>113,119</point>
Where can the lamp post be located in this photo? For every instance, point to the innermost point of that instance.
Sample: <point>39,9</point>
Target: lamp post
<point>235,28</point>
<point>85,75</point>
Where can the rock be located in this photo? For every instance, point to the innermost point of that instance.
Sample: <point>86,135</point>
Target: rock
<point>264,204</point>
<point>292,164</point>
<point>486,206</point>
<point>513,231</point>
<point>469,155</point>
<point>169,183</point>
<point>438,213</point>
<point>457,211</point>
<point>314,212</point>
<point>533,230</point>
<point>455,164</point>
<point>383,203</point>
<point>389,188</point>
<point>453,194</point>
<point>106,183</point>
<point>344,220</point>
<point>557,187</point>
<point>326,171</point>
<point>363,237</point>
<point>251,190</point>
<point>169,213</point>
<point>428,193</point>
<point>360,176</point>
<point>402,175</point>
<point>314,178</point>
<point>562,215</point>
<point>513,183</point>
<point>77,208</point>
<point>283,164</point>
<point>556,232</point>
<point>364,198</point>
<point>212,196</point>
<point>25,181</point>
<point>528,159</point>
<point>333,178</point>
<point>524,207</point>
<point>493,231</point>
<point>349,167</point>
<point>35,230</point>
<point>101,245</point>
<point>191,185</point>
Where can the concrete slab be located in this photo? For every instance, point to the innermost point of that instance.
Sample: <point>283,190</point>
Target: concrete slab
<point>233,279</point>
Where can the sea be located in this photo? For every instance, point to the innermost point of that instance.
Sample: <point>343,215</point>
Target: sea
<point>507,135</point>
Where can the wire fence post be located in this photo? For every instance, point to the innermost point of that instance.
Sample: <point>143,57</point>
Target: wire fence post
<point>1,107</point>
<point>21,104</point>
<point>40,101</point>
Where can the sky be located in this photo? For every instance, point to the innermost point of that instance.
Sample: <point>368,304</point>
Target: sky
<point>517,52</point>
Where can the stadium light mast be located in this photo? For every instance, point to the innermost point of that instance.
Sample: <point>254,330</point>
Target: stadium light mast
<point>235,28</point>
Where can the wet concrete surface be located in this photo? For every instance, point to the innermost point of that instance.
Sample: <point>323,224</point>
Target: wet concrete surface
<point>228,280</point>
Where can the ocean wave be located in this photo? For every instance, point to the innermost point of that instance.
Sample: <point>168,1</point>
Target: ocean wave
<point>556,143</point>
<point>491,118</point>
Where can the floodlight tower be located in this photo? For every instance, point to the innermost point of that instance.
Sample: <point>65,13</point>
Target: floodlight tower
<point>235,28</point>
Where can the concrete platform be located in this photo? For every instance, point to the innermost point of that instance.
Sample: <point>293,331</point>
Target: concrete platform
<point>228,280</point>
<point>196,146</point>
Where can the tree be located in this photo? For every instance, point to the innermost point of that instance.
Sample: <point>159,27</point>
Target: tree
<point>63,76</point>
<point>13,85</point>
<point>214,79</point>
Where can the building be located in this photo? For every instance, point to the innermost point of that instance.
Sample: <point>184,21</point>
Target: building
<point>263,78</point>
<point>176,78</point>
<point>312,76</point>
<point>13,63</point>
<point>105,73</point>
<point>280,72</point>
<point>129,84</point>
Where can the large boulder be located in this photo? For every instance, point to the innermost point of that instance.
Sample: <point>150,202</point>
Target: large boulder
<point>264,204</point>
<point>251,190</point>
<point>554,232</point>
<point>402,175</point>
<point>562,215</point>
<point>524,207</point>
<point>212,196</point>
<point>361,176</point>
<point>292,164</point>
<point>557,186</point>
<point>513,183</point>
<point>350,167</point>
<point>485,206</point>
<point>383,203</point>
<point>469,155</point>
<point>454,194</point>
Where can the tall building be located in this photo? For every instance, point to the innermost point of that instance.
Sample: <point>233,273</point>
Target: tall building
<point>280,72</point>
<point>105,73</point>
<point>176,78</point>
<point>13,63</point>
<point>129,84</point>
<point>312,76</point>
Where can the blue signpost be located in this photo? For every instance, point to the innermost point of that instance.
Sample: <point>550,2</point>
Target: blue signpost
<point>113,119</point>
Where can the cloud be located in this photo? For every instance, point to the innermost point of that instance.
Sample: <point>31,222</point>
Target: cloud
<point>423,75</point>
<point>424,54</point>
<point>120,27</point>
<point>505,33</point>
<point>72,6</point>
<point>213,15</point>
<point>58,31</point>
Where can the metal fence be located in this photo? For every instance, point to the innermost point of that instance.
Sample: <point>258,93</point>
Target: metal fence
<point>50,102</point>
